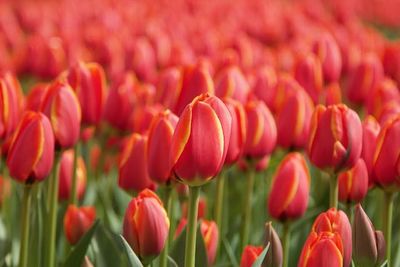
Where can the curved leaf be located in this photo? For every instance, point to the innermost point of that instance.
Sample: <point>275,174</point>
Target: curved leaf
<point>133,260</point>
<point>258,262</point>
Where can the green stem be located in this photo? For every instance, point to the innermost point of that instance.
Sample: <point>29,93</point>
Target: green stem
<point>286,243</point>
<point>333,191</point>
<point>74,194</point>
<point>387,226</point>
<point>190,250</point>
<point>52,214</point>
<point>349,211</point>
<point>247,209</point>
<point>219,201</point>
<point>168,201</point>
<point>26,206</point>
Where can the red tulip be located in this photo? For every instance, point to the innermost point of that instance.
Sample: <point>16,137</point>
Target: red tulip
<point>77,221</point>
<point>391,60</point>
<point>353,183</point>
<point>169,87</point>
<point>322,248</point>
<point>36,96</point>
<point>65,174</point>
<point>201,140</point>
<point>293,119</point>
<point>31,151</point>
<point>332,94</point>
<point>260,165</point>
<point>231,83</point>
<point>336,222</point>
<point>201,210</point>
<point>264,85</point>
<point>308,72</point>
<point>249,256</point>
<point>146,225</point>
<point>261,130</point>
<point>288,198</point>
<point>371,129</point>
<point>159,146</point>
<point>61,106</point>
<point>133,173</point>
<point>336,138</point>
<point>88,82</point>
<point>386,162</point>
<point>209,231</point>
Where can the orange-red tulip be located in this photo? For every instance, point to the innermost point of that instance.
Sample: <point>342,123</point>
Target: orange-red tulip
<point>384,92</point>
<point>31,151</point>
<point>65,174</point>
<point>353,183</point>
<point>308,72</point>
<point>35,97</point>
<point>335,140</point>
<point>146,225</point>
<point>371,129</point>
<point>77,221</point>
<point>249,255</point>
<point>264,85</point>
<point>159,146</point>
<point>169,87</point>
<point>332,94</point>
<point>231,83</point>
<point>288,198</point>
<point>391,60</point>
<point>209,231</point>
<point>201,140</point>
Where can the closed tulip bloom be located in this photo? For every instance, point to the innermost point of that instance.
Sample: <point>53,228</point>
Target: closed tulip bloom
<point>390,110</point>
<point>159,146</point>
<point>322,248</point>
<point>31,151</point>
<point>260,164</point>
<point>169,86</point>
<point>201,140</point>
<point>288,198</point>
<point>264,85</point>
<point>77,221</point>
<point>65,174</point>
<point>386,162</point>
<point>293,119</point>
<point>238,131</point>
<point>209,231</point>
<point>371,129</point>
<point>391,60</point>
<point>133,175</point>
<point>231,83</point>
<point>335,140</point>
<point>274,257</point>
<point>332,94</point>
<point>365,77</point>
<point>146,225</point>
<point>308,72</point>
<point>369,247</point>
<point>353,183</point>
<point>249,255</point>
<point>88,82</point>
<point>61,106</point>
<point>35,97</point>
<point>386,91</point>
<point>261,130</point>
<point>336,222</point>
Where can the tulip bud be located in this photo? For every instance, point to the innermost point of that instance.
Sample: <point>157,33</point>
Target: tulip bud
<point>288,198</point>
<point>384,92</point>
<point>143,116</point>
<point>31,151</point>
<point>353,183</point>
<point>61,106</point>
<point>390,110</point>
<point>146,225</point>
<point>201,140</point>
<point>321,248</point>
<point>201,210</point>
<point>35,97</point>
<point>335,138</point>
<point>65,175</point>
<point>261,130</point>
<point>274,257</point>
<point>391,60</point>
<point>369,247</point>
<point>133,173</point>
<point>336,222</point>
<point>249,256</point>
<point>159,146</point>
<point>231,83</point>
<point>293,119</point>
<point>332,95</point>
<point>308,72</point>
<point>77,221</point>
<point>264,85</point>
<point>386,162</point>
<point>88,82</point>
<point>169,87</point>
<point>209,231</point>
<point>371,129</point>
<point>238,131</point>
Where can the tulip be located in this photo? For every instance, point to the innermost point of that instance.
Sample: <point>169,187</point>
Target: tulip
<point>31,152</point>
<point>231,83</point>
<point>88,82</point>
<point>202,209</point>
<point>65,175</point>
<point>133,173</point>
<point>353,183</point>
<point>391,60</point>
<point>159,146</point>
<point>169,87</point>
<point>61,106</point>
<point>286,85</point>
<point>371,129</point>
<point>324,247</point>
<point>336,222</point>
<point>274,257</point>
<point>384,92</point>
<point>368,245</point>
<point>288,198</point>
<point>146,225</point>
<point>390,110</point>
<point>264,85</point>
<point>260,165</point>
<point>308,72</point>
<point>35,97</point>
<point>332,94</point>
<point>77,221</point>
<point>5,189</point>
<point>209,231</point>
<point>249,256</point>
<point>293,119</point>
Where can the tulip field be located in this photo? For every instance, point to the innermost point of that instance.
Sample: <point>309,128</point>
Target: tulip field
<point>213,133</point>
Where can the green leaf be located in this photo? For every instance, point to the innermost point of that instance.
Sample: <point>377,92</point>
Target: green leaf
<point>77,255</point>
<point>384,264</point>
<point>260,258</point>
<point>178,250</point>
<point>133,260</point>
<point>171,262</point>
